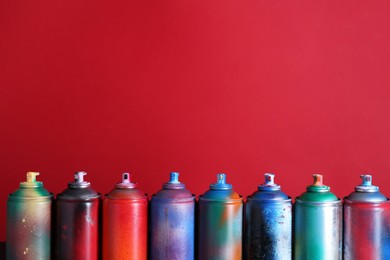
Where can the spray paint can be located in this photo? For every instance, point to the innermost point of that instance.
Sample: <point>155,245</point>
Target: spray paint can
<point>366,223</point>
<point>317,223</point>
<point>220,222</point>
<point>29,221</point>
<point>172,222</point>
<point>77,221</point>
<point>125,222</point>
<point>268,223</point>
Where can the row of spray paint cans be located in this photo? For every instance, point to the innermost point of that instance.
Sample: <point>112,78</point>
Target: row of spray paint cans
<point>125,225</point>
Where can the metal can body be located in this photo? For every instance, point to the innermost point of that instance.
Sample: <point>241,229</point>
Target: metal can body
<point>220,222</point>
<point>125,223</point>
<point>366,223</point>
<point>318,230</point>
<point>318,224</point>
<point>268,223</point>
<point>29,225</point>
<point>77,222</point>
<point>172,222</point>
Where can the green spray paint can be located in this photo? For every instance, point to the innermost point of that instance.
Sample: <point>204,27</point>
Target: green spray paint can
<point>317,223</point>
<point>29,221</point>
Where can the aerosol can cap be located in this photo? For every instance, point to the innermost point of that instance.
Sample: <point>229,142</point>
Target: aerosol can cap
<point>174,182</point>
<point>221,183</point>
<point>126,182</point>
<point>366,185</point>
<point>318,185</point>
<point>31,181</point>
<point>79,181</point>
<point>269,184</point>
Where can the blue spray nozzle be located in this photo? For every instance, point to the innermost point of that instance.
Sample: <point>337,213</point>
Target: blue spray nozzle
<point>221,183</point>
<point>174,182</point>
<point>366,185</point>
<point>269,184</point>
<point>174,177</point>
<point>366,180</point>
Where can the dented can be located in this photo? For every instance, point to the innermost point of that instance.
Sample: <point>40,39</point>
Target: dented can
<point>172,222</point>
<point>366,223</point>
<point>268,223</point>
<point>220,222</point>
<point>77,221</point>
<point>125,222</point>
<point>317,223</point>
<point>29,221</point>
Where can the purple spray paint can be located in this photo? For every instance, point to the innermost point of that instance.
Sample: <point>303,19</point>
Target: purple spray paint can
<point>172,222</point>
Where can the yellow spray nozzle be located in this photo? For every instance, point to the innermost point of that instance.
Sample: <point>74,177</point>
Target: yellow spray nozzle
<point>32,176</point>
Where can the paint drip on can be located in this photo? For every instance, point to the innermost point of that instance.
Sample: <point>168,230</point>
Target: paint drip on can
<point>366,223</point>
<point>317,223</point>
<point>172,222</point>
<point>29,221</point>
<point>220,222</point>
<point>268,222</point>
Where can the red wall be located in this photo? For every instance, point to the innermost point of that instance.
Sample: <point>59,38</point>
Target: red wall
<point>196,86</point>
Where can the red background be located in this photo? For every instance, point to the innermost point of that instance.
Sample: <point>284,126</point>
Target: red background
<point>195,86</point>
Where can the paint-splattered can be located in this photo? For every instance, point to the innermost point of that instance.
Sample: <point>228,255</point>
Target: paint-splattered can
<point>125,222</point>
<point>29,221</point>
<point>318,223</point>
<point>172,222</point>
<point>366,223</point>
<point>220,222</point>
<point>268,223</point>
<point>77,221</point>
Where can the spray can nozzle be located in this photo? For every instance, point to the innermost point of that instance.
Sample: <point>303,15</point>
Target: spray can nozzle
<point>32,176</point>
<point>79,177</point>
<point>126,177</point>
<point>126,182</point>
<point>318,185</point>
<point>366,185</point>
<point>79,180</point>
<point>174,177</point>
<point>221,183</point>
<point>318,180</point>
<point>31,180</point>
<point>366,180</point>
<point>269,184</point>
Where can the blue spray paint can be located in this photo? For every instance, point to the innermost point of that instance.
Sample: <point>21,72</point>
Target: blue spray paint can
<point>220,222</point>
<point>268,223</point>
<point>172,222</point>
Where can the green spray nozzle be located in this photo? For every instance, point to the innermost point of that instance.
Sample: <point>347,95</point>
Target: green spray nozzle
<point>174,177</point>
